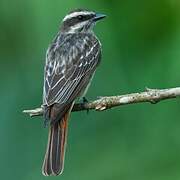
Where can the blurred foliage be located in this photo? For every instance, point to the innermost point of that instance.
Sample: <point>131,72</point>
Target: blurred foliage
<point>141,41</point>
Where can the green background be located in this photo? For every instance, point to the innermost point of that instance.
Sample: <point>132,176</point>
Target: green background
<point>141,48</point>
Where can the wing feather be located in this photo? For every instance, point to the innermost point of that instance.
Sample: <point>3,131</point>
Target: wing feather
<point>67,76</point>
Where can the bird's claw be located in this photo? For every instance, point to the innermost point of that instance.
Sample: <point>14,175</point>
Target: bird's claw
<point>85,100</point>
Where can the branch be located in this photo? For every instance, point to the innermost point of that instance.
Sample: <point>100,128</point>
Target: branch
<point>150,95</point>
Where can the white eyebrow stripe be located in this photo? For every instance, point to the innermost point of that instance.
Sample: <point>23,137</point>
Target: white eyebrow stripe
<point>74,14</point>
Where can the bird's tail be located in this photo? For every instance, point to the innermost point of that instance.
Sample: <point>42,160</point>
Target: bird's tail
<point>55,153</point>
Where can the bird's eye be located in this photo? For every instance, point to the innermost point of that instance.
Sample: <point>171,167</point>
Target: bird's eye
<point>80,17</point>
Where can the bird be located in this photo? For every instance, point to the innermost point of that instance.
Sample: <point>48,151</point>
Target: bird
<point>71,61</point>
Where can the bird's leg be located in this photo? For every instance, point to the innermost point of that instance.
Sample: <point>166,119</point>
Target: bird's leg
<point>84,102</point>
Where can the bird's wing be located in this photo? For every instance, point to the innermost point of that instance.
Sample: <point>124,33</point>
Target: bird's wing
<point>65,79</point>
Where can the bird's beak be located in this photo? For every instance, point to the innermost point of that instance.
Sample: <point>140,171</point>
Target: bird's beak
<point>99,16</point>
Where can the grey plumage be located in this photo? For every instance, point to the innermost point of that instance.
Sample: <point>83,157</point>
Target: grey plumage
<point>71,61</point>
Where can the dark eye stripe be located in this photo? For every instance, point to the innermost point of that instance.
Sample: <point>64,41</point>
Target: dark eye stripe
<point>76,19</point>
<point>80,17</point>
<point>85,17</point>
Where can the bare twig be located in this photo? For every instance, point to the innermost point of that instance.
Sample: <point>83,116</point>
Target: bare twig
<point>150,95</point>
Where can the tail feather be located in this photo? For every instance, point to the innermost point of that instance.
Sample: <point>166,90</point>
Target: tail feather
<point>55,153</point>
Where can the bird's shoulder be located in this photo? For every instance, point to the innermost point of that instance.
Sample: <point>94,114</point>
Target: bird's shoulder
<point>63,43</point>
<point>70,48</point>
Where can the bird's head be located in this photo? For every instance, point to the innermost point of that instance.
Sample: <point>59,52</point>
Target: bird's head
<point>80,20</point>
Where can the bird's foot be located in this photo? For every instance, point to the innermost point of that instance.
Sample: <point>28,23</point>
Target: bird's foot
<point>84,102</point>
